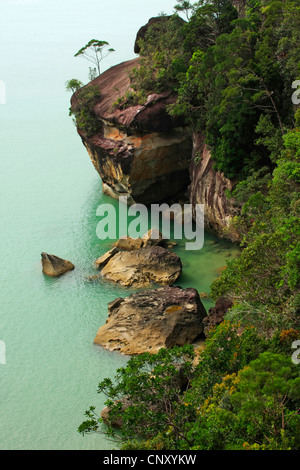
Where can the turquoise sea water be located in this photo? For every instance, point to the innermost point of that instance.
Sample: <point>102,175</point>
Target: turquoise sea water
<point>49,193</point>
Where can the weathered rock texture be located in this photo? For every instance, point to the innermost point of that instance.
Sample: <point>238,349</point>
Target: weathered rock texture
<point>151,238</point>
<point>128,243</point>
<point>54,266</point>
<point>141,151</point>
<point>152,319</point>
<point>216,314</point>
<point>209,187</point>
<point>143,267</point>
<point>104,259</point>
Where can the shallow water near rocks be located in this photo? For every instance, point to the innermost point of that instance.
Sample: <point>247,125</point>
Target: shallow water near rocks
<point>49,194</point>
<point>52,367</point>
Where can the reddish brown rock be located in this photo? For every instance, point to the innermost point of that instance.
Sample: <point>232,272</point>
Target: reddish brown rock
<point>141,151</point>
<point>209,187</point>
<point>216,314</point>
<point>143,30</point>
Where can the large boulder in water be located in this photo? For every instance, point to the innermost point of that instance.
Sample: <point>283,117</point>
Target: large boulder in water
<point>54,266</point>
<point>143,267</point>
<point>152,319</point>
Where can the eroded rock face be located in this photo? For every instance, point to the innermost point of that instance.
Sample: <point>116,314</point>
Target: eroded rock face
<point>216,314</point>
<point>54,266</point>
<point>143,267</point>
<point>152,319</point>
<point>153,237</point>
<point>141,151</point>
<point>209,187</point>
<point>104,259</point>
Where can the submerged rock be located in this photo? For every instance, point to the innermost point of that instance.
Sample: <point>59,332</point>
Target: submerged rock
<point>143,267</point>
<point>54,266</point>
<point>152,319</point>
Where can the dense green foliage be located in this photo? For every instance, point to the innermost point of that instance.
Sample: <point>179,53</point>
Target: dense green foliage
<point>264,280</point>
<point>241,81</point>
<point>148,395</point>
<point>233,75</point>
<point>242,392</point>
<point>85,98</point>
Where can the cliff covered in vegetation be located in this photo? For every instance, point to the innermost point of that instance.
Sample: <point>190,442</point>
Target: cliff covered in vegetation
<point>233,67</point>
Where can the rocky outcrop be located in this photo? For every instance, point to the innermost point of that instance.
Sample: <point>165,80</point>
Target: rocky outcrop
<point>145,154</point>
<point>104,259</point>
<point>156,20</point>
<point>152,319</point>
<point>128,243</point>
<point>143,267</point>
<point>216,314</point>
<point>141,151</point>
<point>209,187</point>
<point>54,266</point>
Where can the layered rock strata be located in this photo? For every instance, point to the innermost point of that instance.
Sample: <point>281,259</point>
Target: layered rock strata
<point>140,152</point>
<point>210,187</point>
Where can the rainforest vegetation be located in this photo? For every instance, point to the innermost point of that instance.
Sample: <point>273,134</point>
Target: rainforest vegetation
<point>234,66</point>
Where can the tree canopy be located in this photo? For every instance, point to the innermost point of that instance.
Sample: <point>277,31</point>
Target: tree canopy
<point>95,51</point>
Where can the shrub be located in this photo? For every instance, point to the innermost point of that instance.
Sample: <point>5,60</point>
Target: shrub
<point>83,109</point>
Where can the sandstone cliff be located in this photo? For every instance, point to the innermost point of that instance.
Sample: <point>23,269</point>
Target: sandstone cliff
<point>145,154</point>
<point>140,151</point>
<point>209,187</point>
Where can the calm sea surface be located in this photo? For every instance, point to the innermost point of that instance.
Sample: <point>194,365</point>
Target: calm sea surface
<point>49,193</point>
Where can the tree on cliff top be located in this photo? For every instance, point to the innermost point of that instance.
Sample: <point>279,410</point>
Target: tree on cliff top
<point>184,6</point>
<point>95,51</point>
